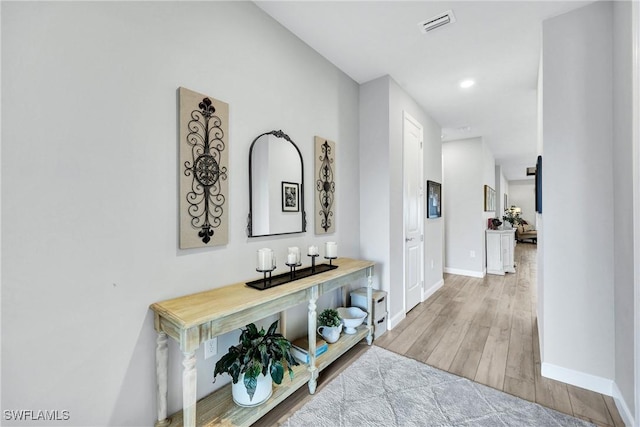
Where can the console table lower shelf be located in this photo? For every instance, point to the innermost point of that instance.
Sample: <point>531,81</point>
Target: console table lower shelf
<point>219,409</point>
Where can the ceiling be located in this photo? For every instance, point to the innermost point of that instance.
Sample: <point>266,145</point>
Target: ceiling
<point>495,43</point>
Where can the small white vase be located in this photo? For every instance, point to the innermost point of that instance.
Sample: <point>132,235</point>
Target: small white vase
<point>263,391</point>
<point>330,334</point>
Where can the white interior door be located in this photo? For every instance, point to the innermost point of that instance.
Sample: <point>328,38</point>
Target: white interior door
<point>413,211</point>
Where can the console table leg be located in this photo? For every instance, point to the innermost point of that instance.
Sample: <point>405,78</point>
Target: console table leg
<point>162,364</point>
<point>189,389</point>
<point>311,334</point>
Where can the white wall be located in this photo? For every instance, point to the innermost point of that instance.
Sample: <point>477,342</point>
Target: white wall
<point>522,193</point>
<point>502,189</point>
<point>464,178</point>
<point>578,326</point>
<point>635,29</point>
<point>623,200</point>
<point>89,195</point>
<point>488,177</point>
<point>433,227</point>
<point>374,178</point>
<point>539,219</point>
<point>382,102</point>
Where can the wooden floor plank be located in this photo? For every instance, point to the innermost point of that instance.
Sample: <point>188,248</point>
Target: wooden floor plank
<point>407,338</point>
<point>422,347</point>
<point>613,411</point>
<point>466,363</point>
<point>524,389</point>
<point>520,357</point>
<point>466,360</point>
<point>589,406</point>
<point>442,355</point>
<point>491,369</point>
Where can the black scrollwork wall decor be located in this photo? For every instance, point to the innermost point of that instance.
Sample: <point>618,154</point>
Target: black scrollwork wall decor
<point>204,164</point>
<point>325,185</point>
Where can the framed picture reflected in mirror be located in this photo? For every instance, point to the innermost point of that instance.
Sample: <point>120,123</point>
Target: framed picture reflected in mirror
<point>290,197</point>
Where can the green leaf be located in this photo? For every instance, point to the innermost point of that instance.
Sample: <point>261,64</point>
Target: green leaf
<point>251,328</point>
<point>291,372</point>
<point>277,372</point>
<point>264,356</point>
<point>251,384</point>
<point>235,370</point>
<point>272,328</point>
<point>226,361</point>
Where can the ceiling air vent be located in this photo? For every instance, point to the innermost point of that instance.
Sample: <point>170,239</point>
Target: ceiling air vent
<point>437,21</point>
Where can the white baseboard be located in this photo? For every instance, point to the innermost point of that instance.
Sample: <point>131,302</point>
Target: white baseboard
<point>426,293</point>
<point>393,321</point>
<point>578,379</point>
<point>623,409</point>
<point>470,273</point>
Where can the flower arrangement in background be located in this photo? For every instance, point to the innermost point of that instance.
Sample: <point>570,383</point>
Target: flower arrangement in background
<point>512,215</point>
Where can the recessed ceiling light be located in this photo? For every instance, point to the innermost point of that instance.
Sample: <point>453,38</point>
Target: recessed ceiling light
<point>465,84</point>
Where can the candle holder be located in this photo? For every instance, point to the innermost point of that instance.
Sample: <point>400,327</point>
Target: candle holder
<point>330,258</point>
<point>292,269</point>
<point>295,273</point>
<point>265,273</point>
<point>313,262</point>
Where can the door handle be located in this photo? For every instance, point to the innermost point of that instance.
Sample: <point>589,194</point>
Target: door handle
<point>408,239</point>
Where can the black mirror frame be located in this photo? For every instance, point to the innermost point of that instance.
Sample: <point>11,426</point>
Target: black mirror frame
<point>303,213</point>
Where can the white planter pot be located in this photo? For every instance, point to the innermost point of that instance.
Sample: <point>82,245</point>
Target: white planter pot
<point>263,391</point>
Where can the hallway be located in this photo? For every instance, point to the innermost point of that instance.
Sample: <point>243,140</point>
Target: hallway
<point>486,330</point>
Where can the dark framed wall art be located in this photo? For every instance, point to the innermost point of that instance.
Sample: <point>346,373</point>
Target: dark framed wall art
<point>539,185</point>
<point>489,199</point>
<point>325,200</point>
<point>434,199</point>
<point>290,197</point>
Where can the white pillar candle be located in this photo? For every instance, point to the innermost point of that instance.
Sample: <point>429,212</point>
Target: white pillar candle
<point>296,251</point>
<point>313,250</point>
<point>291,258</point>
<point>265,259</point>
<point>331,250</point>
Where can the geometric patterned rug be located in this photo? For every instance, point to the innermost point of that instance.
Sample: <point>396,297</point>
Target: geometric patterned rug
<point>382,388</point>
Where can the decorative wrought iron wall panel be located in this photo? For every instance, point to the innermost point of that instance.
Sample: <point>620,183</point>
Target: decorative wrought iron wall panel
<point>203,170</point>
<point>325,186</point>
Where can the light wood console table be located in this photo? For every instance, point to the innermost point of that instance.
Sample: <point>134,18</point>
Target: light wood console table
<point>195,318</point>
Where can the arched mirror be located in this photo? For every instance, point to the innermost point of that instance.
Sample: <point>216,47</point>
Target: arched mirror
<point>276,186</point>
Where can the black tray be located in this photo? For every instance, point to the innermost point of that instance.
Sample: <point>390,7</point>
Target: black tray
<point>281,279</point>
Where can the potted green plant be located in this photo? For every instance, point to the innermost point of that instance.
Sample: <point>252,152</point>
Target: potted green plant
<point>330,325</point>
<point>258,353</point>
<point>512,216</point>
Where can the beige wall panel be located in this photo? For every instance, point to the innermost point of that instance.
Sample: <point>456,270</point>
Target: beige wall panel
<point>203,170</point>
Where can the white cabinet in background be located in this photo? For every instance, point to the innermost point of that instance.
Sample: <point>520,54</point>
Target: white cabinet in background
<point>500,246</point>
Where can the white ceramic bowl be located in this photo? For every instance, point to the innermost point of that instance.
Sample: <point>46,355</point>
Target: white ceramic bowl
<point>352,317</point>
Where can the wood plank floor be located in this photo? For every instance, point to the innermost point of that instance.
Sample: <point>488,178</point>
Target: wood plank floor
<point>486,330</point>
